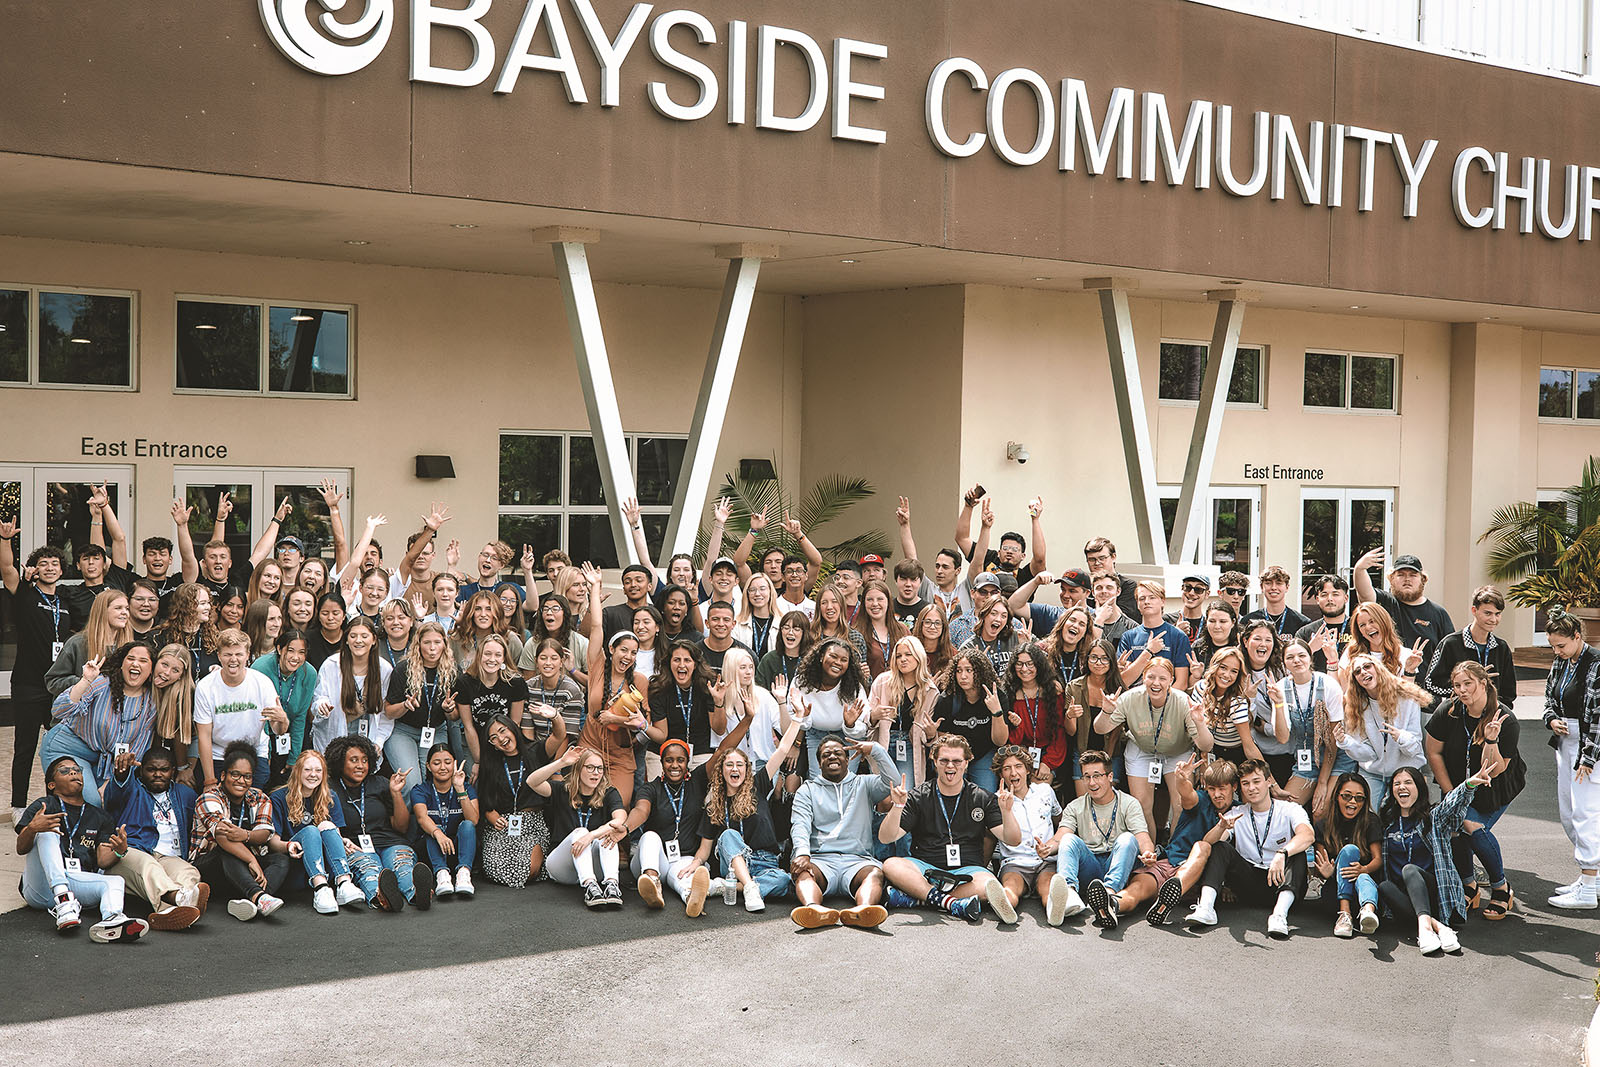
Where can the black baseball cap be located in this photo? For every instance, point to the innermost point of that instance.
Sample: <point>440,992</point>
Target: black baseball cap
<point>1077,577</point>
<point>1407,563</point>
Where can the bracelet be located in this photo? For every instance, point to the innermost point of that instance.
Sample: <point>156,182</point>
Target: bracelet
<point>462,795</point>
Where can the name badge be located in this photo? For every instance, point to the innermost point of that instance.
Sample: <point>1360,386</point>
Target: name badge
<point>74,865</point>
<point>674,853</point>
<point>1302,759</point>
<point>1153,774</point>
<point>952,856</point>
<point>55,649</point>
<point>280,744</point>
<point>1035,754</point>
<point>363,727</point>
<point>425,738</point>
<point>514,825</point>
<point>364,843</point>
<point>900,750</point>
<point>120,748</point>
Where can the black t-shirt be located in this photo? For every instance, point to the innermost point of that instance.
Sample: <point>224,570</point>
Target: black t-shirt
<point>676,812</point>
<point>1341,637</point>
<point>82,596</point>
<point>971,721</point>
<point>434,701</point>
<point>992,564</point>
<point>239,574</point>
<point>1288,624</point>
<point>936,821</point>
<point>1451,726</point>
<point>562,819</point>
<point>1426,620</point>
<point>617,618</point>
<point>714,659</point>
<point>757,830</point>
<point>671,704</point>
<point>165,587</point>
<point>489,700</point>
<point>503,782</point>
<point>319,648</point>
<point>907,613</point>
<point>368,809</point>
<point>44,622</point>
<point>84,828</point>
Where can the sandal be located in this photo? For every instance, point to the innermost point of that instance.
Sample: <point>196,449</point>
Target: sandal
<point>1474,895</point>
<point>1499,904</point>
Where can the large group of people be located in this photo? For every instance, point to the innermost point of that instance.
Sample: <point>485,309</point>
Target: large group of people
<point>856,736</point>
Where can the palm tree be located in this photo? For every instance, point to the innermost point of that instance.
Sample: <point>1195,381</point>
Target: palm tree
<point>1552,546</point>
<point>826,500</point>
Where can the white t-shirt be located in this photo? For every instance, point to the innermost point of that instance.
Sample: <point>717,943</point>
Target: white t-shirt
<point>761,742</point>
<point>1036,817</point>
<point>1258,836</point>
<point>806,607</point>
<point>234,712</point>
<point>827,713</point>
<point>166,820</point>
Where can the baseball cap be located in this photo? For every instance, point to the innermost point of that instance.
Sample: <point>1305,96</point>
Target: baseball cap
<point>984,579</point>
<point>723,561</point>
<point>872,557</point>
<point>1203,579</point>
<point>293,542</point>
<point>1077,577</point>
<point>1407,563</point>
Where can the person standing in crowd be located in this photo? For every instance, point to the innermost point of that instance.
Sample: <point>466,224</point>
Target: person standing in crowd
<point>933,631</point>
<point>486,688</point>
<point>350,690</point>
<point>44,621</point>
<point>157,815</point>
<point>144,606</point>
<point>1328,635</point>
<point>156,553</point>
<point>1109,618</point>
<point>878,627</point>
<point>1031,864</point>
<point>296,684</point>
<point>263,622</point>
<point>1195,589</point>
<point>831,849</point>
<point>1036,719</point>
<point>616,696</point>
<point>233,840</point>
<point>1274,585</point>
<point>174,697</point>
<point>1097,857</point>
<point>1572,715</point>
<point>830,694</point>
<point>1382,722</point>
<point>1349,856</point>
<point>969,707</point>
<point>550,686</point>
<point>1232,588</point>
<point>1086,697</point>
<point>445,808</point>
<point>899,698</point>
<point>947,819</point>
<point>1419,881</point>
<point>1311,702</point>
<point>1220,630</point>
<point>1070,641</point>
<point>422,690</point>
<point>1420,622</point>
<point>1040,619</point>
<point>555,622</point>
<point>1475,730</point>
<point>232,704</point>
<point>909,583</point>
<point>1473,643</point>
<point>1223,698</point>
<point>109,625</point>
<point>189,624</point>
<point>109,712</point>
<point>1265,857</point>
<point>687,703</point>
<point>1163,726</point>
<point>1010,556</point>
<point>1154,638</point>
<point>1100,556</point>
<point>1372,633</point>
<point>755,625</point>
<point>68,845</point>
<point>376,823</point>
<point>776,671</point>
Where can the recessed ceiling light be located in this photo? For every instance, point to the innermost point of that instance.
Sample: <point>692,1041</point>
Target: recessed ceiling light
<point>1358,307</point>
<point>463,225</point>
<point>847,261</point>
<point>1040,278</point>
<point>357,242</point>
<point>300,318</point>
<point>204,326</point>
<point>81,341</point>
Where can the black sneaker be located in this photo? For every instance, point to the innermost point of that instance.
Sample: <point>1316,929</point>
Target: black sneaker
<point>421,886</point>
<point>1104,904</point>
<point>593,895</point>
<point>949,881</point>
<point>1168,897</point>
<point>613,892</point>
<point>389,898</point>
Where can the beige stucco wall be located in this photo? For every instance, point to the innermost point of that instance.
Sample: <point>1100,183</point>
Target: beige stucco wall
<point>444,361</point>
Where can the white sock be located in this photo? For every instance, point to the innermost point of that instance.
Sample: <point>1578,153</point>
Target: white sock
<point>1208,897</point>
<point>1591,881</point>
<point>1285,900</point>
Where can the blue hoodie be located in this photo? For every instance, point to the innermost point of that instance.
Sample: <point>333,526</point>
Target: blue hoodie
<point>131,805</point>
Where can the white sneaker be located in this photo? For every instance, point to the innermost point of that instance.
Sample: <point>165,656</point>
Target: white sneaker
<point>1369,919</point>
<point>68,914</point>
<point>1278,927</point>
<point>995,894</point>
<point>1074,905</point>
<point>1055,902</point>
<point>752,897</point>
<point>1583,898</point>
<point>16,817</point>
<point>324,901</point>
<point>1202,915</point>
<point>1569,887</point>
<point>464,883</point>
<point>1428,942</point>
<point>1449,941</point>
<point>242,909</point>
<point>187,898</point>
<point>730,891</point>
<point>349,893</point>
<point>117,928</point>
<point>442,885</point>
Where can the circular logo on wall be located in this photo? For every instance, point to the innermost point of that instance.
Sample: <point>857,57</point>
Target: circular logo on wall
<point>328,46</point>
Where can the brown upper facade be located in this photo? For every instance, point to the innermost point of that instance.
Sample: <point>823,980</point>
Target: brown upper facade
<point>192,85</point>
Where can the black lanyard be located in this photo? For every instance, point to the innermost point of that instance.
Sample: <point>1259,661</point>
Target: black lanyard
<point>758,633</point>
<point>1262,834</point>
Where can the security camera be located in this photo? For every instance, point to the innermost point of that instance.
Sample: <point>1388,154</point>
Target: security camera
<point>1015,451</point>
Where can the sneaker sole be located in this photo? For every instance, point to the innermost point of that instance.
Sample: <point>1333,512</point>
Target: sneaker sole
<point>1055,905</point>
<point>649,892</point>
<point>1168,897</point>
<point>864,916</point>
<point>202,894</point>
<point>1195,920</point>
<point>995,894</point>
<point>1369,923</point>
<point>242,910</point>
<point>1098,897</point>
<point>389,897</point>
<point>813,917</point>
<point>178,917</point>
<point>1345,932</point>
<point>1278,935</point>
<point>103,936</point>
<point>699,886</point>
<point>422,886</point>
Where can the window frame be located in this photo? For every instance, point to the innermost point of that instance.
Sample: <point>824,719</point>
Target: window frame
<point>261,481</point>
<point>1350,356</point>
<point>1343,496</point>
<point>33,292</point>
<point>564,511</point>
<point>1207,535</point>
<point>1572,419</point>
<point>1259,404</point>
<point>265,306</point>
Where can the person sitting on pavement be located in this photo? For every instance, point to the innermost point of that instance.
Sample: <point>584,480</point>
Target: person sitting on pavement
<point>156,812</point>
<point>445,808</point>
<point>233,840</point>
<point>1265,862</point>
<point>306,812</point>
<point>1101,835</point>
<point>376,821</point>
<point>832,836</point>
<point>1174,876</point>
<point>1026,866</point>
<point>587,819</point>
<point>1349,855</point>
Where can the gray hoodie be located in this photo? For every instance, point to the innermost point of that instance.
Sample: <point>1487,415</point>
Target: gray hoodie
<point>836,817</point>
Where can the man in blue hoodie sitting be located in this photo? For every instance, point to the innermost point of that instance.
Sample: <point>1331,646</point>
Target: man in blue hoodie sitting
<point>156,811</point>
<point>831,832</point>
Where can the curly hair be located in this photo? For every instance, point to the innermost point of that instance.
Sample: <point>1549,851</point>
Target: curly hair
<point>1216,701</point>
<point>810,676</point>
<point>183,618</point>
<point>982,670</point>
<point>321,796</point>
<point>1387,649</point>
<point>1044,670</point>
<point>339,749</point>
<point>720,807</point>
<point>417,671</point>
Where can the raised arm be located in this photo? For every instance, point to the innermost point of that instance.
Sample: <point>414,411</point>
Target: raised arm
<point>331,495</point>
<point>597,642</point>
<point>980,550</point>
<point>360,549</point>
<point>902,516</point>
<point>719,522</point>
<point>8,561</point>
<point>796,721</point>
<point>807,549</point>
<point>219,527</point>
<point>188,563</point>
<point>1035,508</point>
<point>269,537</point>
<point>1360,580</point>
<point>438,514</point>
<point>630,511</point>
<point>116,539</point>
<point>964,519</point>
<point>1019,601</point>
<point>747,544</point>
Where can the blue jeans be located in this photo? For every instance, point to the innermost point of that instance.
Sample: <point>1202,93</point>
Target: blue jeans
<point>44,870</point>
<point>1482,844</point>
<point>980,774</point>
<point>1079,864</point>
<point>905,766</point>
<point>365,868</point>
<point>323,853</point>
<point>1364,888</point>
<point>773,880</point>
<point>465,835</point>
<point>1378,786</point>
<point>60,740</point>
<point>401,749</point>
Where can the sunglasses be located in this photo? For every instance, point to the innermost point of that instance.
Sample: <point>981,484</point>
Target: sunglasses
<point>1353,797</point>
<point>1194,587</point>
<point>1234,590</point>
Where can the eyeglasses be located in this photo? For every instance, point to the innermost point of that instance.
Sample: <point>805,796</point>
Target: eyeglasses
<point>1235,590</point>
<point>949,762</point>
<point>1353,797</point>
<point>145,599</point>
<point>240,776</point>
<point>1096,776</point>
<point>1099,659</point>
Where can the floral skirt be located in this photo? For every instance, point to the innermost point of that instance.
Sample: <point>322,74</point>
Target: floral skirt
<point>508,859</point>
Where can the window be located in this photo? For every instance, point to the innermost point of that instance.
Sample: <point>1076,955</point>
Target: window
<point>551,496</point>
<point>1351,381</point>
<point>256,494</point>
<point>1569,393</point>
<point>1339,526</point>
<point>257,347</point>
<point>1230,527</point>
<point>78,338</point>
<point>1183,370</point>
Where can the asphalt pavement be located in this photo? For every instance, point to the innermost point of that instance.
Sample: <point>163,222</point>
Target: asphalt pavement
<point>529,975</point>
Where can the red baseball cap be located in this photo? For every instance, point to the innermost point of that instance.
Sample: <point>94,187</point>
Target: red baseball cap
<point>872,557</point>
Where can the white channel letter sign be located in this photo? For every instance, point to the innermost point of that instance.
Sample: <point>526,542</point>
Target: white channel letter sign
<point>1135,137</point>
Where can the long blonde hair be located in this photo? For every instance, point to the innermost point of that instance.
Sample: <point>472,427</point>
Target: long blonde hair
<point>1391,690</point>
<point>417,671</point>
<point>923,681</point>
<point>735,698</point>
<point>321,797</point>
<point>720,808</point>
<point>99,636</point>
<point>598,797</point>
<point>175,703</point>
